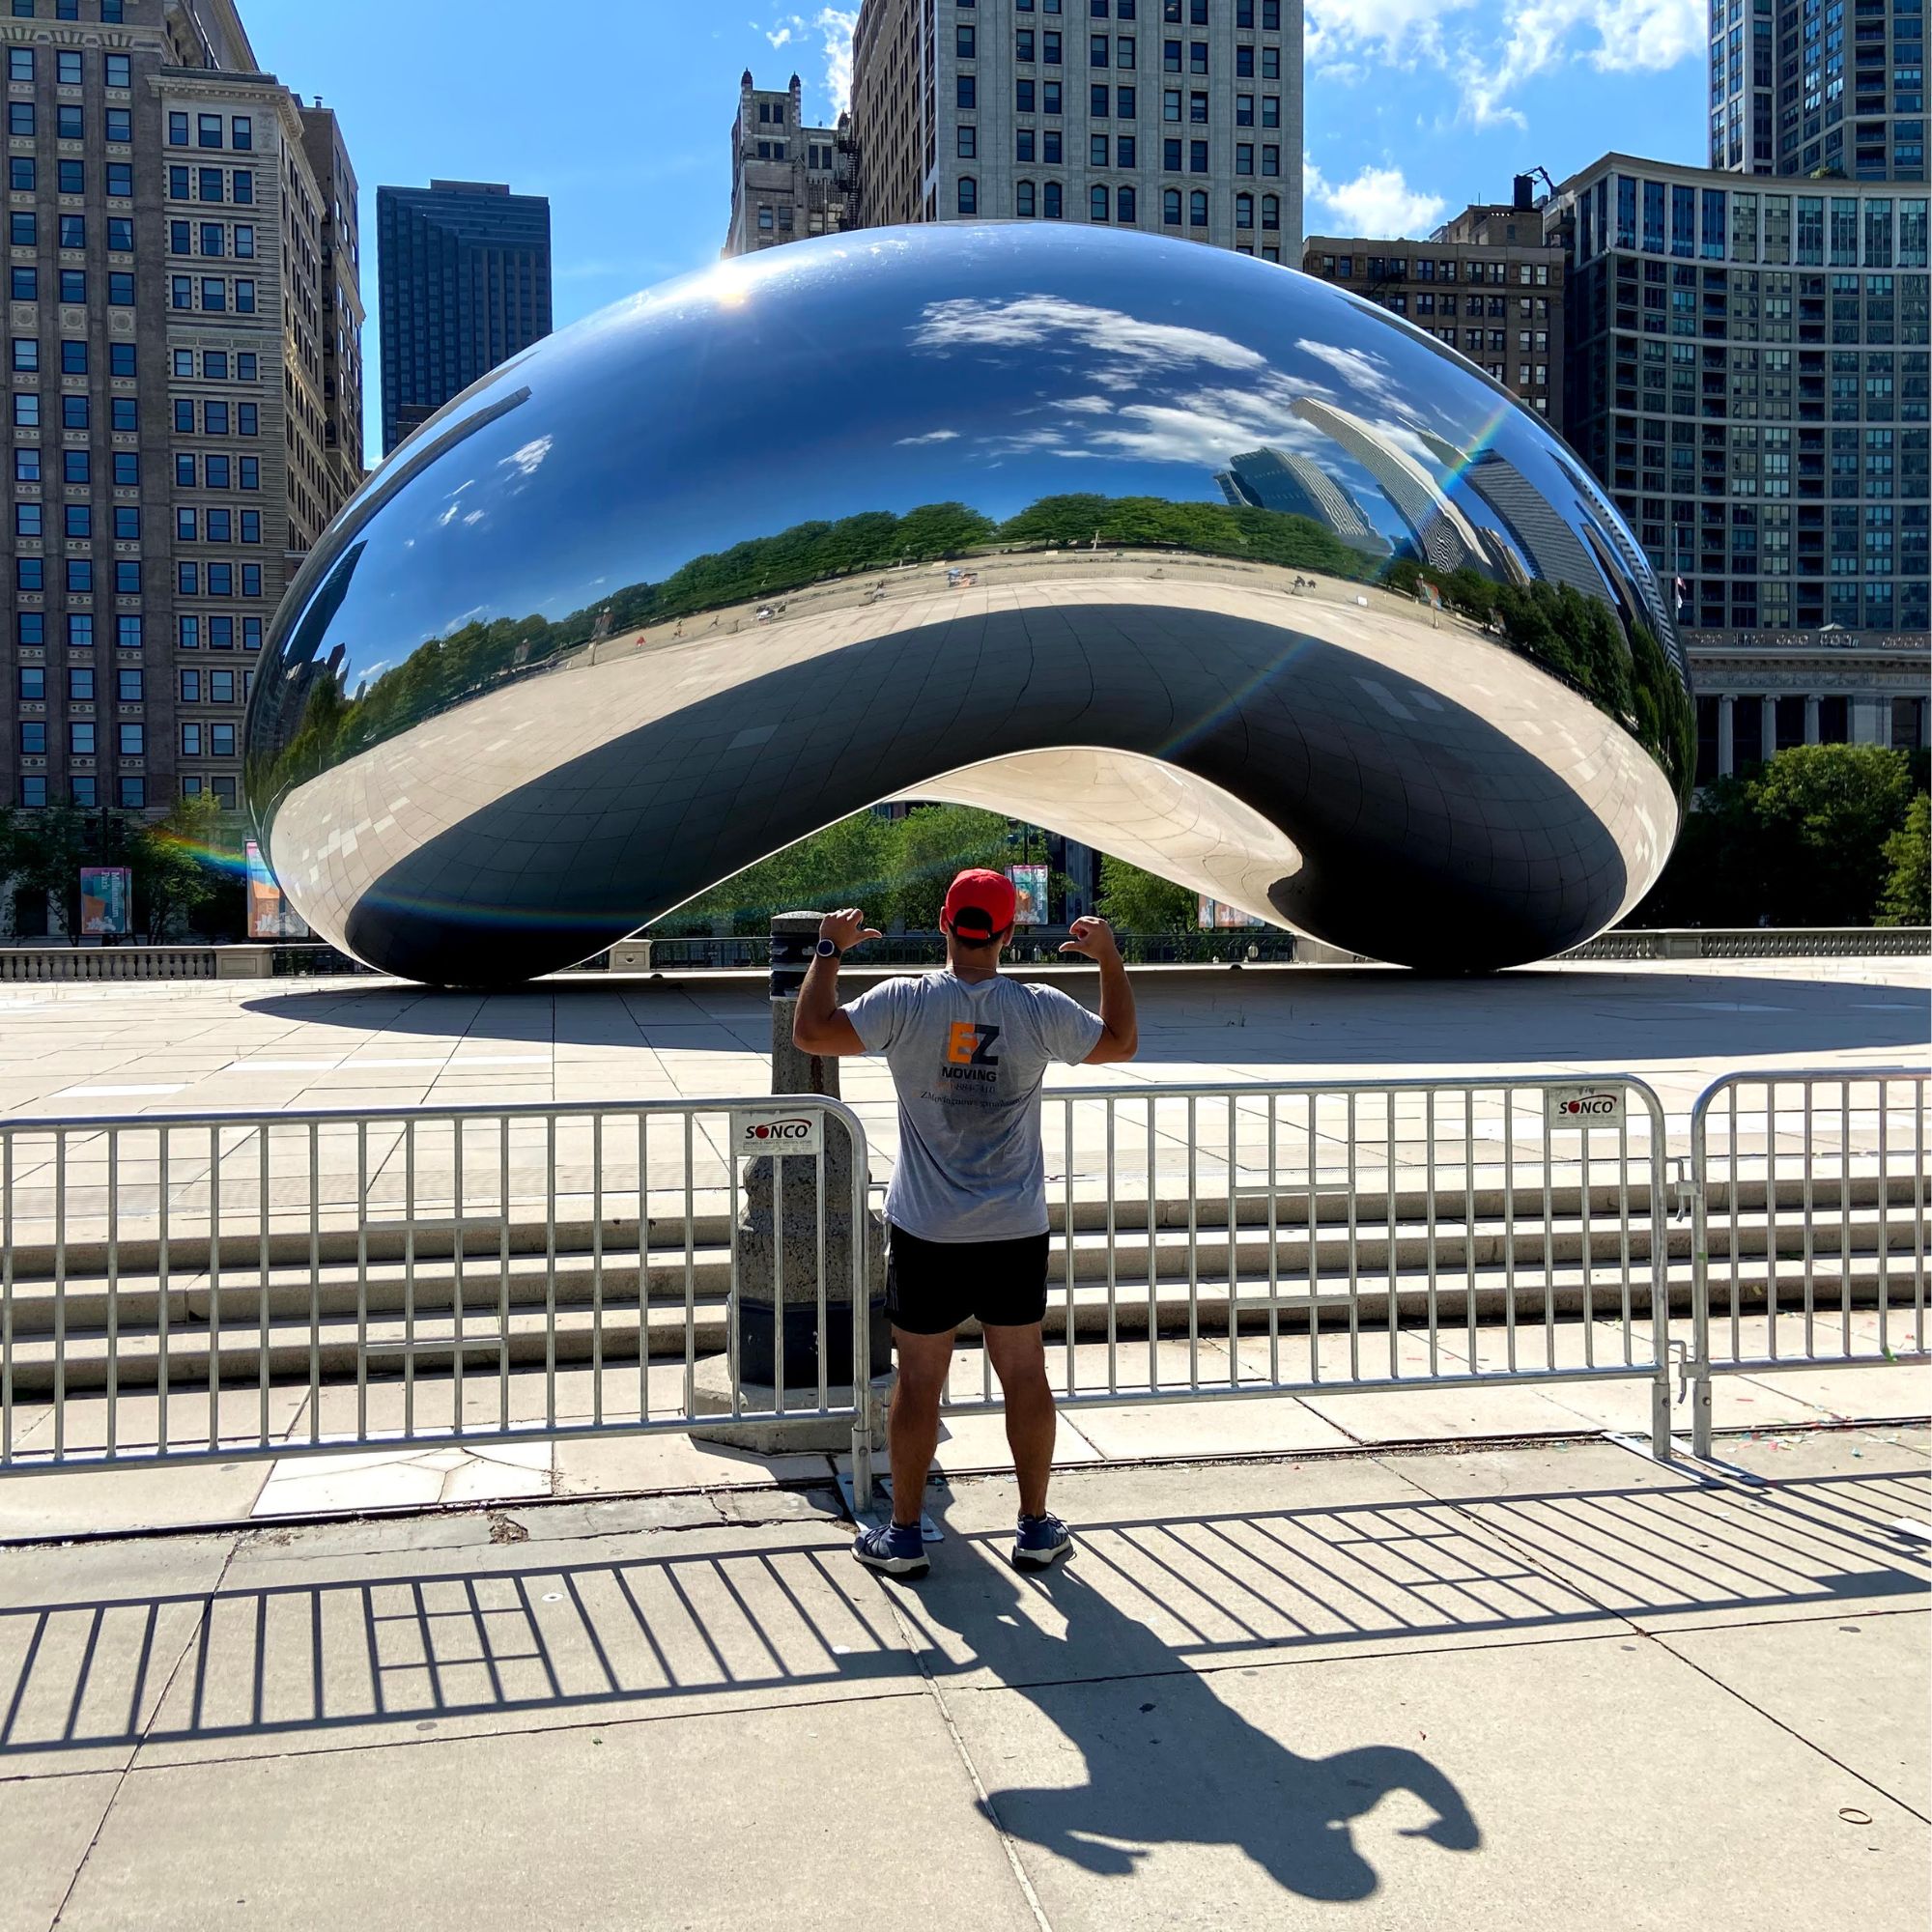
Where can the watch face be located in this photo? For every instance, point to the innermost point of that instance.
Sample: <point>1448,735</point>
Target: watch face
<point>826,948</point>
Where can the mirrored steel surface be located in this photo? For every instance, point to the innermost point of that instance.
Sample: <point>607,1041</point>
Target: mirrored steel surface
<point>1139,540</point>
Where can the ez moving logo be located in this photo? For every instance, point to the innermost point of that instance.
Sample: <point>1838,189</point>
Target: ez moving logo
<point>969,1052</point>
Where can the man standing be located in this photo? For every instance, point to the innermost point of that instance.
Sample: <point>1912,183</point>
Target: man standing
<point>967,1206</point>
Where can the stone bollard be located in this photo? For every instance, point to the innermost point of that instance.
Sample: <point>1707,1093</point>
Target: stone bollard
<point>780,1215</point>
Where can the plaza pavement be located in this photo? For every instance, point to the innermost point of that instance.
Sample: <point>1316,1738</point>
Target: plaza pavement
<point>1504,1689</point>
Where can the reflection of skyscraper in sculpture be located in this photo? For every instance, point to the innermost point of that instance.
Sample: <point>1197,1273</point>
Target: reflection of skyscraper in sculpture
<point>1636,575</point>
<point>1551,546</point>
<point>1277,479</point>
<point>1444,536</point>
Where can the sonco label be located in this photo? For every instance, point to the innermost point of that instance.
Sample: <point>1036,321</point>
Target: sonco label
<point>776,1131</point>
<point>1582,1106</point>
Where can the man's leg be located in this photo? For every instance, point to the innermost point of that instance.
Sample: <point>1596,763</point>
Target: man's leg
<point>1019,1360</point>
<point>912,1432</point>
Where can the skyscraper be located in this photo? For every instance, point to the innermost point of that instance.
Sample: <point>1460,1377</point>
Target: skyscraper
<point>788,180</point>
<point>1179,117</point>
<point>183,327</point>
<point>1796,88</point>
<point>465,283</point>
<point>1278,479</point>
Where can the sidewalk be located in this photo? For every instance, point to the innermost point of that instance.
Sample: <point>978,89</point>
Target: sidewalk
<point>1500,1688</point>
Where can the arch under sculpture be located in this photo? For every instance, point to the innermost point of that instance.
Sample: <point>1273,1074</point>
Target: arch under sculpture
<point>1144,542</point>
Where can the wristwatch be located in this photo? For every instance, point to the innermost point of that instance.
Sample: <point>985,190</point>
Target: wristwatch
<point>828,949</point>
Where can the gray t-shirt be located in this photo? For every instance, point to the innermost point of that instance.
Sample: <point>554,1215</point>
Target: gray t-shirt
<point>968,1058</point>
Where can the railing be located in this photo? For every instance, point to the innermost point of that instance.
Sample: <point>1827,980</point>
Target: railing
<point>178,1288</point>
<point>1810,1196</point>
<point>1329,1236</point>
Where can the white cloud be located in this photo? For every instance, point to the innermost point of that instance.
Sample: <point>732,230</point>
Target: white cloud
<point>526,459</point>
<point>835,26</point>
<point>1377,202</point>
<point>931,435</point>
<point>781,38</point>
<point>1491,51</point>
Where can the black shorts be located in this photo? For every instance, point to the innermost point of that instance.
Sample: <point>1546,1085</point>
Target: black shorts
<point>932,1287</point>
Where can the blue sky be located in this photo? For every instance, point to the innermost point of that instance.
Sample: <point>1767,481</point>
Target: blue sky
<point>620,110</point>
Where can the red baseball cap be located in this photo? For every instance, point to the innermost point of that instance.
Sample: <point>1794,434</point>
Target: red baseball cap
<point>979,904</point>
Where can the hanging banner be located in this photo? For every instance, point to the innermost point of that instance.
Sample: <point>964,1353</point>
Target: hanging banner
<point>1030,884</point>
<point>107,901</point>
<point>270,914</point>
<point>1216,916</point>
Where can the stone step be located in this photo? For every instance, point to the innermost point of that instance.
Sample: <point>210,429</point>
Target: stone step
<point>34,1359</point>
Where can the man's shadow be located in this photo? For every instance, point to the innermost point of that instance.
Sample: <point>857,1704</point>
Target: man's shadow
<point>1167,1760</point>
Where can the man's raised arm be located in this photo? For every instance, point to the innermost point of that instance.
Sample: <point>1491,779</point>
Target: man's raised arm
<point>1120,1040</point>
<point>818,1023</point>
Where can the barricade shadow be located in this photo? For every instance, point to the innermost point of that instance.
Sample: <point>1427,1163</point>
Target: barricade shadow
<point>1118,1654</point>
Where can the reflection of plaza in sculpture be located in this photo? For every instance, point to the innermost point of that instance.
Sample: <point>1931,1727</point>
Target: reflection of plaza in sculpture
<point>575,653</point>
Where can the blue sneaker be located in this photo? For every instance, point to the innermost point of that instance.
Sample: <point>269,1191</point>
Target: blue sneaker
<point>894,1549</point>
<point>1041,1542</point>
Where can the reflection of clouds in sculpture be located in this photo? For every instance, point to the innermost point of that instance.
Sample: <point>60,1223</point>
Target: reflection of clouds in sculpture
<point>678,648</point>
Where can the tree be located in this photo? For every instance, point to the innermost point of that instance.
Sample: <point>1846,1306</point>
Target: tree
<point>1907,899</point>
<point>1802,840</point>
<point>50,846</point>
<point>930,844</point>
<point>173,874</point>
<point>1134,901</point>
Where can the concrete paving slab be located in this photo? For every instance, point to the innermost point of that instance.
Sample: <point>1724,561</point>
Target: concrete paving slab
<point>756,1818</point>
<point>1858,1687</point>
<point>129,1498</point>
<point>586,1464</point>
<point>1448,1789</point>
<point>46,1825</point>
<point>1266,1426</point>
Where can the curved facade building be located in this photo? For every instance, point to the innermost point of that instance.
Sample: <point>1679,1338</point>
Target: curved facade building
<point>981,513</point>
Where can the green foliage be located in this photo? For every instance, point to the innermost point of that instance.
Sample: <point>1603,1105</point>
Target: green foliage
<point>1132,900</point>
<point>1211,529</point>
<point>173,878</point>
<point>1804,839</point>
<point>1907,899</point>
<point>896,871</point>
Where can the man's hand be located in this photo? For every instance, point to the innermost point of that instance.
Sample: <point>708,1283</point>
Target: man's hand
<point>1093,939</point>
<point>846,928</point>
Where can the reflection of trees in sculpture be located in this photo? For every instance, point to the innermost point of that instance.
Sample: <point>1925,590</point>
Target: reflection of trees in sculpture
<point>1580,638</point>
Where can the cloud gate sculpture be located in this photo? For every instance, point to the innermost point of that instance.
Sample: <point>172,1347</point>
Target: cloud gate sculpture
<point>1187,557</point>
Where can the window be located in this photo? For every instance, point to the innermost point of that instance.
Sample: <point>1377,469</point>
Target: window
<point>26,354</point>
<point>120,229</point>
<point>1024,203</point>
<point>242,129</point>
<point>207,130</point>
<point>969,195</point>
<point>121,184</point>
<point>1049,97</point>
<point>969,149</point>
<point>251,527</point>
<point>1244,211</point>
<point>20,174</point>
<point>1170,156</point>
<point>22,228</point>
<point>30,627</point>
<point>213,238</point>
<point>1126,100</point>
<point>1049,49</point>
<point>77,519</point>
<point>187,579</point>
<point>110,12</point>
<point>962,40</point>
<point>190,687</point>
<point>244,365</point>
<point>190,740</point>
<point>221,580</point>
<point>222,687</point>
<point>213,293</point>
<point>121,294</point>
<point>1049,147</point>
<point>249,476</point>
<point>26,409</point>
<point>251,637</point>
<point>27,519</point>
<point>224,792</point>
<point>184,416</point>
<point>1270,110</point>
<point>1270,159</point>
<point>33,737</point>
<point>67,69</point>
<point>126,470</point>
<point>1097,202</point>
<point>1098,53</point>
<point>80,684</point>
<point>1244,158</point>
<point>79,630</point>
<point>76,466</point>
<point>1023,144</point>
<point>133,792</point>
<point>128,632</point>
<point>20,118</point>
<point>966,94</point>
<point>74,354</point>
<point>244,186</point>
<point>180,237</point>
<point>1124,151</point>
<point>1270,63</point>
<point>67,121</point>
<point>1170,56</point>
<point>1053,201</point>
<point>119,73</point>
<point>19,62</point>
<point>33,684</point>
<point>1170,206</point>
<point>208,185</point>
<point>1096,104</point>
<point>133,739</point>
<point>1023,44</point>
<point>123,414</point>
<point>1124,51</point>
<point>81,789</point>
<point>1023,97</point>
<point>127,576</point>
<point>74,231</point>
<point>1096,150</point>
<point>29,573</point>
<point>188,632</point>
<point>1244,110</point>
<point>1270,211</point>
<point>1124,203</point>
<point>73,178</point>
<point>1197,109</point>
<point>27,463</point>
<point>221,633</point>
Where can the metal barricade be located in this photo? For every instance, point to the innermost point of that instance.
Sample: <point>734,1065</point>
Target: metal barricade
<point>1244,1240</point>
<point>183,1287</point>
<point>1808,1196</point>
